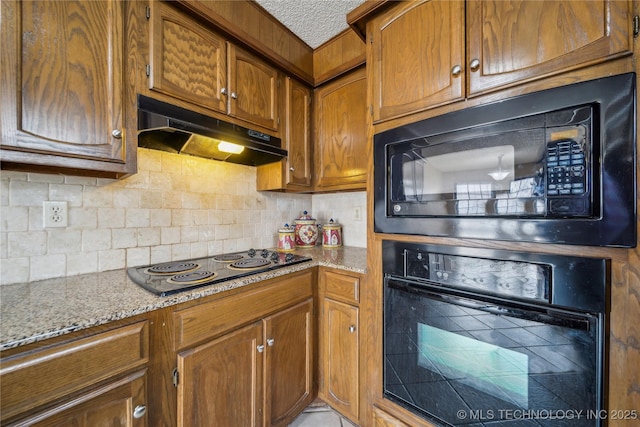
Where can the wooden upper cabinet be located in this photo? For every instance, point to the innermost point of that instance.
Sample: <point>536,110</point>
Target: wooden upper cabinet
<point>194,64</point>
<point>298,134</point>
<point>514,41</point>
<point>415,48</point>
<point>63,86</point>
<point>188,61</point>
<point>341,133</point>
<point>419,58</point>
<point>294,172</point>
<point>253,89</point>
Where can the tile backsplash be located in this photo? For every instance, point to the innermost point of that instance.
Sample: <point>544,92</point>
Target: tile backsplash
<point>175,207</point>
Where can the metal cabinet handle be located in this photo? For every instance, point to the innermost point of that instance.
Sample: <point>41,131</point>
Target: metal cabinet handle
<point>271,342</point>
<point>291,169</point>
<point>260,348</point>
<point>456,70</point>
<point>352,328</point>
<point>234,95</point>
<point>474,64</point>
<point>139,411</point>
<point>116,133</point>
<point>223,91</point>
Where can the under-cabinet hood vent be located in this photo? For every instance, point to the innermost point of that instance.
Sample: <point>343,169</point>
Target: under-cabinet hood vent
<point>167,127</point>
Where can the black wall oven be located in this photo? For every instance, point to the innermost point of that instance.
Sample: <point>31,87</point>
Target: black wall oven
<point>556,166</point>
<point>493,337</point>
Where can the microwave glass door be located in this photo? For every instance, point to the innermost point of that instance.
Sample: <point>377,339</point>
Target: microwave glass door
<point>511,168</point>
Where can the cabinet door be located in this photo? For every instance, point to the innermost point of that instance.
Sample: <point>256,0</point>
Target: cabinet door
<point>254,88</point>
<point>340,357</point>
<point>294,172</point>
<point>289,363</point>
<point>188,61</point>
<point>63,84</point>
<point>341,133</point>
<point>121,403</point>
<point>416,57</point>
<point>220,382</point>
<point>298,133</point>
<point>565,35</point>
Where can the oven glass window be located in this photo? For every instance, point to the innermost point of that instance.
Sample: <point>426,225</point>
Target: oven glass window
<point>473,366</point>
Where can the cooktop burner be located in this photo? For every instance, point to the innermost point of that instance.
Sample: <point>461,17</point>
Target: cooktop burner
<point>250,263</point>
<point>191,278</point>
<point>171,268</point>
<point>172,277</point>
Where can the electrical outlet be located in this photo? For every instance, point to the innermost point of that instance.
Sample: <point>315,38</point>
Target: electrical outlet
<point>54,214</point>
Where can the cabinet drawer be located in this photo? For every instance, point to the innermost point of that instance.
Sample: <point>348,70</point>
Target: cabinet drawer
<point>342,287</point>
<point>208,320</point>
<point>35,378</point>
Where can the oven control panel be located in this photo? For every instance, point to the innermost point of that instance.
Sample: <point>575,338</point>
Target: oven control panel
<point>498,277</point>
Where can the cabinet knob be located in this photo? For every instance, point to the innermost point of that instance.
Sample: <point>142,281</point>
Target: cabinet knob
<point>234,95</point>
<point>223,91</point>
<point>260,348</point>
<point>474,64</point>
<point>352,328</point>
<point>456,70</point>
<point>139,411</point>
<point>291,168</point>
<point>271,342</point>
<point>116,133</point>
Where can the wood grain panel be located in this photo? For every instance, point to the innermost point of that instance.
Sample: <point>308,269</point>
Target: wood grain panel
<point>207,393</point>
<point>254,89</point>
<point>341,133</point>
<point>289,361</point>
<point>567,35</point>
<point>247,23</point>
<point>341,287</point>
<point>188,61</point>
<point>207,320</point>
<point>412,70</point>
<point>342,53</point>
<point>32,379</point>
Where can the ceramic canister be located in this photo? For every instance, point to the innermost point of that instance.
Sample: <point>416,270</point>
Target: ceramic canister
<point>306,231</point>
<point>286,239</point>
<point>331,234</point>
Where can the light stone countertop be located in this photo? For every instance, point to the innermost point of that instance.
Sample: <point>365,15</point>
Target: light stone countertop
<point>35,311</point>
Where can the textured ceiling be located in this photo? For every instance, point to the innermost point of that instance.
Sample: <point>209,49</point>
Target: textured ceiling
<point>314,21</point>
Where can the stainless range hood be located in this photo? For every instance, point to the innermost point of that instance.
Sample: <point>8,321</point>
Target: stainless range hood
<point>167,127</point>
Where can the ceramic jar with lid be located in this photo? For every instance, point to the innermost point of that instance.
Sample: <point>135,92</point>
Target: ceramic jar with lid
<point>306,231</point>
<point>286,239</point>
<point>331,234</point>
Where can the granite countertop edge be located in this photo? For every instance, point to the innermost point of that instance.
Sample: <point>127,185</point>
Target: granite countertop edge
<point>36,311</point>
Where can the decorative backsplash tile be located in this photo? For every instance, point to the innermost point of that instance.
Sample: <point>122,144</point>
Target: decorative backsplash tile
<point>175,207</point>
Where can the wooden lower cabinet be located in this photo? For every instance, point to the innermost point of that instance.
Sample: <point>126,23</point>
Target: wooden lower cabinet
<point>258,375</point>
<point>97,379</point>
<point>339,342</point>
<point>113,405</point>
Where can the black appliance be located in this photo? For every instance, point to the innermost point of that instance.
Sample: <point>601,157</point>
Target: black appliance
<point>170,128</point>
<point>178,276</point>
<point>555,166</point>
<point>493,337</point>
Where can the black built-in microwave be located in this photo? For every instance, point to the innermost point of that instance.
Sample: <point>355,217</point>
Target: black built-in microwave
<point>555,166</point>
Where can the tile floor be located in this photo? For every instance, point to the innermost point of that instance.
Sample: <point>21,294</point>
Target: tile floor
<point>319,414</point>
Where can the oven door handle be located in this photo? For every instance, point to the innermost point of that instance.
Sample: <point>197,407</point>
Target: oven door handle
<point>547,315</point>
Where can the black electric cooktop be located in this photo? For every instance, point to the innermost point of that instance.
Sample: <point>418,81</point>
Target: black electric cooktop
<point>178,276</point>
